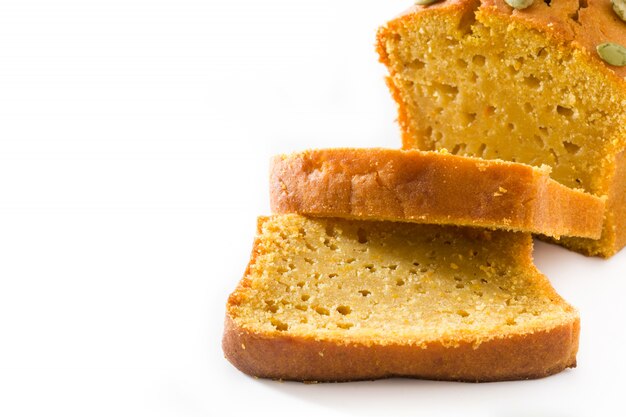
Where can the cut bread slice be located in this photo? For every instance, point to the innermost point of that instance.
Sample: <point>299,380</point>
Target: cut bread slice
<point>339,300</point>
<point>431,187</point>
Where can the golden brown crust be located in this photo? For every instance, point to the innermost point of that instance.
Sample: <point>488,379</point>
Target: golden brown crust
<point>429,187</point>
<point>569,22</point>
<point>524,356</point>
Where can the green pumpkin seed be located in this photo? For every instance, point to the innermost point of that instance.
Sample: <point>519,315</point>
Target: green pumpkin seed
<point>619,7</point>
<point>612,53</point>
<point>425,2</point>
<point>519,4</point>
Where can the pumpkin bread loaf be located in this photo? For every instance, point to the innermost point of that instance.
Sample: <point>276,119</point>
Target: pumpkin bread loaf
<point>431,187</point>
<point>482,79</point>
<point>339,300</point>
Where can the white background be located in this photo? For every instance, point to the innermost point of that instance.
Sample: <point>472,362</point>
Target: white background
<point>134,147</point>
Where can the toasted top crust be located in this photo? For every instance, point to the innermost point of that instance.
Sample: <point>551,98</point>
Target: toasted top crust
<point>569,22</point>
<point>431,187</point>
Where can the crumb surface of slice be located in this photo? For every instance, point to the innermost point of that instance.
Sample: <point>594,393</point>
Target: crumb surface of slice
<point>336,300</point>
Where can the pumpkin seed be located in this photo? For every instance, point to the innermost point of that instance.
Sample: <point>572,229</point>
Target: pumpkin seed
<point>619,7</point>
<point>519,4</point>
<point>612,53</point>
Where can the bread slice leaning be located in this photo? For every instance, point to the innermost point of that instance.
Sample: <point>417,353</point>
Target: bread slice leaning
<point>340,300</point>
<point>431,187</point>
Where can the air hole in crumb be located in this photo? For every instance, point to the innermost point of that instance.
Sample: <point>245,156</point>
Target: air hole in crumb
<point>564,111</point>
<point>468,118</point>
<point>413,271</point>
<point>361,235</point>
<point>458,279</point>
<point>329,244</point>
<point>510,126</point>
<point>460,286</point>
<point>542,52</point>
<point>543,130</point>
<point>308,260</point>
<point>528,108</point>
<point>571,148</point>
<point>481,150</point>
<point>323,311</point>
<point>478,293</point>
<point>332,275</point>
<point>532,82</point>
<point>459,147</point>
<point>490,110</point>
<point>350,260</point>
<point>273,308</point>
<point>462,313</point>
<point>478,60</point>
<point>344,326</point>
<point>461,63</point>
<point>345,310</point>
<point>330,230</point>
<point>428,132</point>
<point>300,284</point>
<point>305,297</point>
<point>302,307</point>
<point>484,281</point>
<point>281,326</point>
<point>446,89</point>
<point>416,64</point>
<point>365,293</point>
<point>392,267</point>
<point>399,282</point>
<point>370,267</point>
<point>510,322</point>
<point>539,142</point>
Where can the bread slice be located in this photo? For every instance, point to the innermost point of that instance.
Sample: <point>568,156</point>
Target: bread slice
<point>480,78</point>
<point>339,300</point>
<point>431,187</point>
